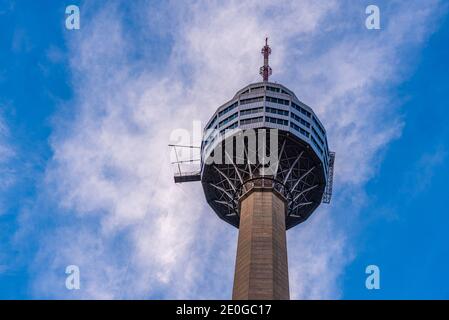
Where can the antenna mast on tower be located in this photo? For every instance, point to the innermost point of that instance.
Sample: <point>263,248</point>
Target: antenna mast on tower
<point>266,70</point>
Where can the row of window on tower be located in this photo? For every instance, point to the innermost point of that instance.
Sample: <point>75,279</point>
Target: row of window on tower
<point>272,110</point>
<point>316,136</point>
<point>263,88</point>
<point>273,120</point>
<point>260,99</point>
<point>278,121</point>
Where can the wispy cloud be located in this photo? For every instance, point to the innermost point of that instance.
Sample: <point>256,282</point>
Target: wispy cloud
<point>420,176</point>
<point>132,231</point>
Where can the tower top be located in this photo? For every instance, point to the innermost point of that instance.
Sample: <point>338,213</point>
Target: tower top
<point>265,70</point>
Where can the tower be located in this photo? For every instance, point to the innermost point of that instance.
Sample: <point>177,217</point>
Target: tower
<point>265,167</point>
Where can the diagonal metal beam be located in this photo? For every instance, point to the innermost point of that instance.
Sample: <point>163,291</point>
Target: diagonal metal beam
<point>300,178</point>
<point>292,166</point>
<point>300,205</point>
<point>304,191</point>
<point>226,177</point>
<point>224,203</point>
<point>279,159</point>
<point>223,190</point>
<point>236,169</point>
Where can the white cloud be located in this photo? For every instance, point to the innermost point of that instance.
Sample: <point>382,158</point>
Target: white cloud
<point>137,234</point>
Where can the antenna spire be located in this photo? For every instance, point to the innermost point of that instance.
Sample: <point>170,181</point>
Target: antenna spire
<point>266,70</point>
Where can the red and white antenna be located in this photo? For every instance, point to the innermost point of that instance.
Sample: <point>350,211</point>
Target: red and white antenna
<point>266,70</point>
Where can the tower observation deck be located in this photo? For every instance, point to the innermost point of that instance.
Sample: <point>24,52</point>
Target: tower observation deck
<point>265,167</point>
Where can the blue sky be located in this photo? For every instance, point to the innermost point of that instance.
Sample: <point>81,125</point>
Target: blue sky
<point>85,117</point>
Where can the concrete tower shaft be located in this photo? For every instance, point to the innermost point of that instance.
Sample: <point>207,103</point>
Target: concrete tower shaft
<point>261,270</point>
